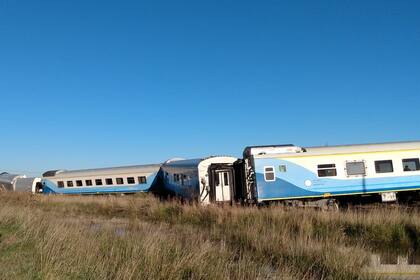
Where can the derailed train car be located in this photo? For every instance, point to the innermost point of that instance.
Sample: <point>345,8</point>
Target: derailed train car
<point>204,180</point>
<point>374,172</point>
<point>128,179</point>
<point>18,183</point>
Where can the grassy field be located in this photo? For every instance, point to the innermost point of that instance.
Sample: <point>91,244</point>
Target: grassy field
<point>139,237</point>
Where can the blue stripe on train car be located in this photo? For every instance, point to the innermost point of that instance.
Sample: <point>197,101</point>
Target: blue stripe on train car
<point>50,188</point>
<point>291,184</point>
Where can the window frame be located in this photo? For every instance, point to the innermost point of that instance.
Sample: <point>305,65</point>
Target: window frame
<point>417,162</point>
<point>273,172</point>
<point>89,182</point>
<point>60,184</point>
<point>142,180</point>
<point>101,183</point>
<point>326,167</point>
<point>353,162</point>
<point>377,165</point>
<point>131,181</point>
<point>282,168</point>
<point>226,178</point>
<point>107,180</point>
<point>119,181</point>
<point>70,184</point>
<point>79,183</point>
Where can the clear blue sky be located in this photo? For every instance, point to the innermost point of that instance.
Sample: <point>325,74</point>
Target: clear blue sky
<point>107,83</point>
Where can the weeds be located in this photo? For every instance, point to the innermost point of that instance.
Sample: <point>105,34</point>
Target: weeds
<point>139,237</point>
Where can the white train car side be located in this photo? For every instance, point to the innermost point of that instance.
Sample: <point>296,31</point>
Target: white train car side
<point>206,180</point>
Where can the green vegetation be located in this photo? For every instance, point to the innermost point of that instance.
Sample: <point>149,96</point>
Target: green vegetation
<point>139,237</point>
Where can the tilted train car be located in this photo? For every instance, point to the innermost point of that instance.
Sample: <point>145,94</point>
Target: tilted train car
<point>206,180</point>
<point>385,172</point>
<point>129,179</point>
<point>18,183</point>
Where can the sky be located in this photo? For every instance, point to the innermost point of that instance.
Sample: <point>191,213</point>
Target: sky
<point>86,84</point>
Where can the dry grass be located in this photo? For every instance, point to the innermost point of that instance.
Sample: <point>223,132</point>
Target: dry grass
<point>138,237</point>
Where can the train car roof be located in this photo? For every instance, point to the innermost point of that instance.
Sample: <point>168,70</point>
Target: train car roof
<point>190,162</point>
<point>290,150</point>
<point>103,171</point>
<point>375,147</point>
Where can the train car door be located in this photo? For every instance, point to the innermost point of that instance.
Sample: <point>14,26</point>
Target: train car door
<point>221,184</point>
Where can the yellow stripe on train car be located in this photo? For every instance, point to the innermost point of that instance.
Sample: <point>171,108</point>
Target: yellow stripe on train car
<point>348,154</point>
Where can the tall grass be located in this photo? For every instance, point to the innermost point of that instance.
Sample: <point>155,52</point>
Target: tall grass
<point>139,237</point>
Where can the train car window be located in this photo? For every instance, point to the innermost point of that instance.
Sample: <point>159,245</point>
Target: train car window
<point>98,182</point>
<point>226,178</point>
<point>327,170</point>
<point>130,180</point>
<point>108,181</point>
<point>60,184</point>
<point>69,184</point>
<point>412,164</point>
<point>176,177</point>
<point>269,174</point>
<point>120,181</point>
<point>282,168</point>
<point>356,168</point>
<point>142,180</point>
<point>384,166</point>
<point>79,183</point>
<point>88,183</point>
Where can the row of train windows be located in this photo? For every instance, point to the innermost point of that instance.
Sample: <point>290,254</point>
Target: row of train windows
<point>100,182</point>
<point>179,177</point>
<point>355,168</point>
<point>358,168</point>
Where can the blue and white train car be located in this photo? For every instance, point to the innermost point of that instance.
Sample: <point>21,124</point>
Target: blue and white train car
<point>130,179</point>
<point>385,171</point>
<point>205,180</point>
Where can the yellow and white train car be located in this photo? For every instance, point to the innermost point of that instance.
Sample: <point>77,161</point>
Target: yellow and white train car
<point>385,172</point>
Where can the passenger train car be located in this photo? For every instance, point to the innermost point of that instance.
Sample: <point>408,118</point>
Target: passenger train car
<point>205,180</point>
<point>130,179</point>
<point>387,172</point>
<point>18,183</point>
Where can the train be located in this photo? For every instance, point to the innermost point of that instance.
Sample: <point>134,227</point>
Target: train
<point>287,174</point>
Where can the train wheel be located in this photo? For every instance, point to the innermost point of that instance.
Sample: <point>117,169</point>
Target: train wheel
<point>330,205</point>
